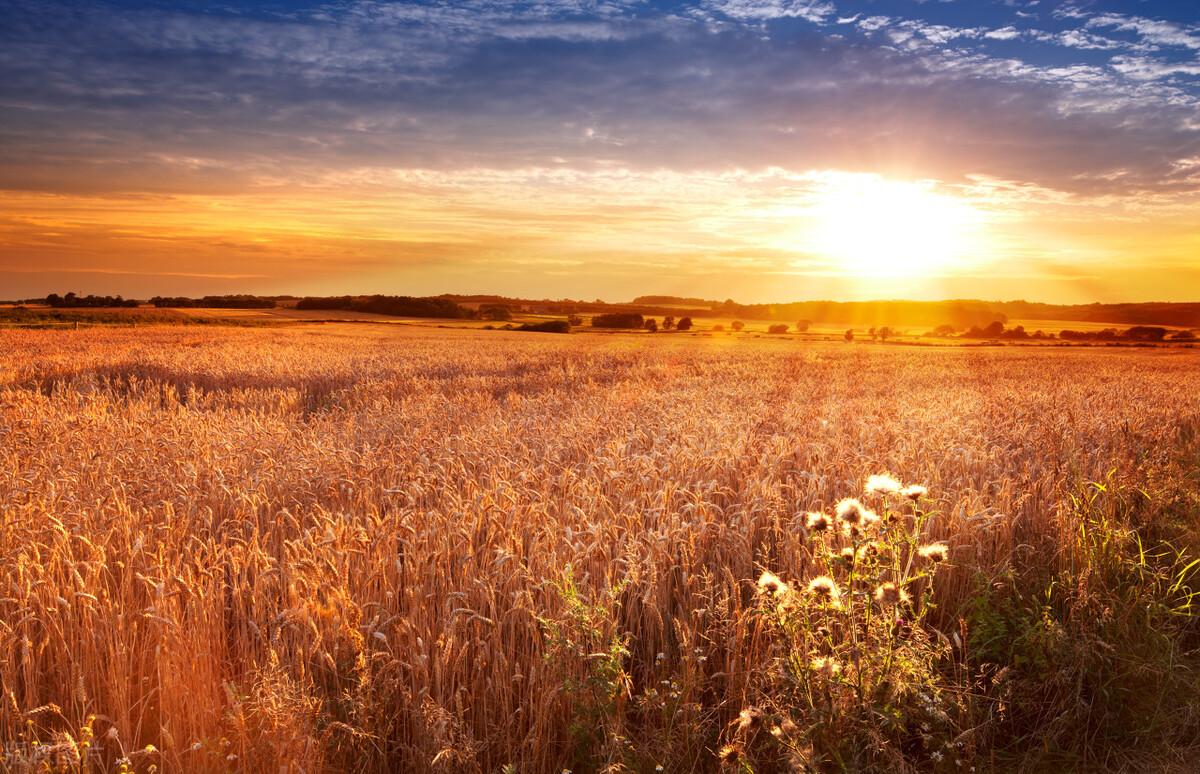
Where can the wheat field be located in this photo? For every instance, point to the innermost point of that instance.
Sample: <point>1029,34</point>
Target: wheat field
<point>350,548</point>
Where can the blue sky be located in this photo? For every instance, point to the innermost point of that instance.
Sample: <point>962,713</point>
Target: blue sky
<point>182,99</point>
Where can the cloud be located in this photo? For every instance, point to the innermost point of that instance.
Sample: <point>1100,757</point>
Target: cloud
<point>168,101</point>
<point>1004,33</point>
<point>1164,33</point>
<point>1147,69</point>
<point>810,10</point>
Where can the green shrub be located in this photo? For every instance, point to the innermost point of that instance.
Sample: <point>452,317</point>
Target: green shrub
<point>549,326</point>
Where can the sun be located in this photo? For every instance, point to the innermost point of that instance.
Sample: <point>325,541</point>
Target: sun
<point>873,227</point>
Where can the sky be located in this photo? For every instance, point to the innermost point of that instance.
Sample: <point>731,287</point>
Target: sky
<point>765,151</point>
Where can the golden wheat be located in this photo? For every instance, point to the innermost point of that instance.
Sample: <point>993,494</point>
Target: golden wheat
<point>337,548</point>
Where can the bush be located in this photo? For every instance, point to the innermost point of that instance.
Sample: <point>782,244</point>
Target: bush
<point>549,326</point>
<point>684,324</point>
<point>778,328</point>
<point>992,331</point>
<point>618,320</point>
<point>738,325</point>
<point>1146,333</point>
<point>498,312</point>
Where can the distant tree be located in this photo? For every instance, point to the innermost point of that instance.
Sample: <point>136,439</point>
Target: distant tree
<point>1015,333</point>
<point>718,328</point>
<point>684,324</point>
<point>992,330</point>
<point>574,319</point>
<point>943,331</point>
<point>651,325</point>
<point>778,328</point>
<point>1182,336</point>
<point>495,312</point>
<point>618,320</point>
<point>848,336</point>
<point>872,333</point>
<point>738,325</point>
<point>668,323</point>
<point>1146,333</point>
<point>884,333</point>
<point>72,301</point>
<point>803,326</point>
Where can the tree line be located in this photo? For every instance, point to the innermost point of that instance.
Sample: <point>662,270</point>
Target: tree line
<point>396,306</point>
<point>73,301</point>
<point>997,330</point>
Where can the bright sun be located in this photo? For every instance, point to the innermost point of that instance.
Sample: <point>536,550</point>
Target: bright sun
<point>880,228</point>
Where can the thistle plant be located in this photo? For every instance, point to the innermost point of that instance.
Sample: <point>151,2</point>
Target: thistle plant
<point>854,678</point>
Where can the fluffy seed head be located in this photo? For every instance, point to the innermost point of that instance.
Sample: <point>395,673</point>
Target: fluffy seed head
<point>826,667</point>
<point>934,552</point>
<point>882,483</point>
<point>749,719</point>
<point>825,587</point>
<point>817,522</point>
<point>770,584</point>
<point>850,511</point>
<point>890,594</point>
<point>914,492</point>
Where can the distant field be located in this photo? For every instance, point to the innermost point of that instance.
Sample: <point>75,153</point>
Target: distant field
<point>41,316</point>
<point>285,313</point>
<point>401,548</point>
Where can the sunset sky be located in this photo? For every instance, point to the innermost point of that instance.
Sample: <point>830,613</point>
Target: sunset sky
<point>765,151</point>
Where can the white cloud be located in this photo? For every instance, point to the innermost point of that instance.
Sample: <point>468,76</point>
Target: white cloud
<point>1147,69</point>
<point>873,23</point>
<point>810,10</point>
<point>1004,33</point>
<point>1164,33</point>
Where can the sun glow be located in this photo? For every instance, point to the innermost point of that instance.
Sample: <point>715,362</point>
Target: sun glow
<point>880,228</point>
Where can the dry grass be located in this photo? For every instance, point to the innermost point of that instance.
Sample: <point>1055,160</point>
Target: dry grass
<point>383,549</point>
